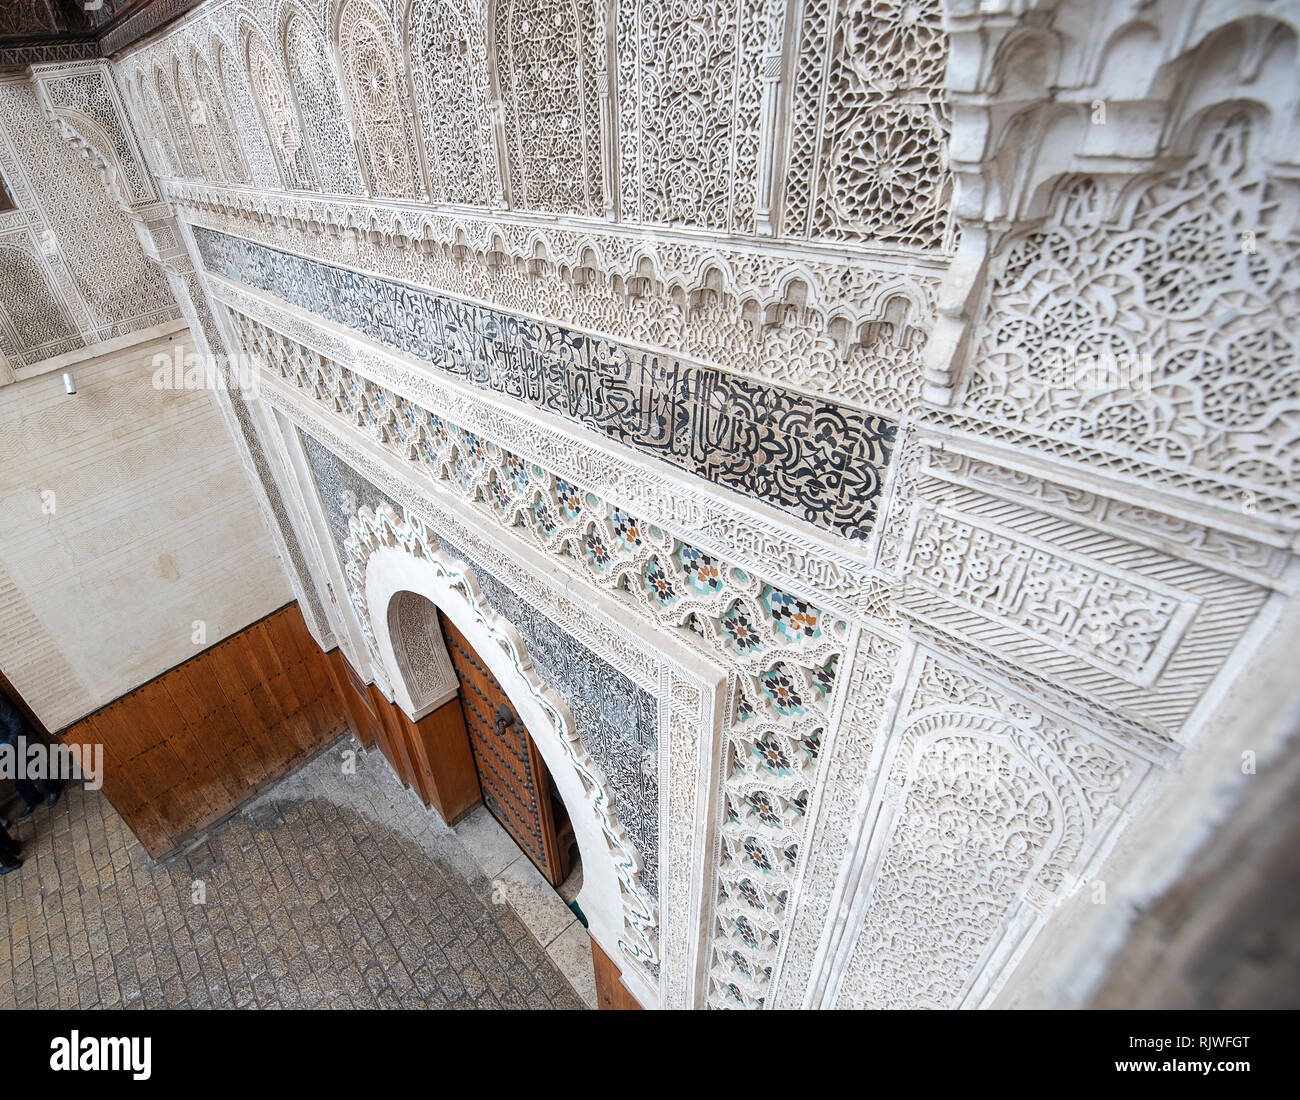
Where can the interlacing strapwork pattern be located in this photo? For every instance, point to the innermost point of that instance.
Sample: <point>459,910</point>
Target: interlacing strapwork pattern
<point>777,725</point>
<point>1192,296</point>
<point>545,55</point>
<point>449,74</point>
<point>278,115</point>
<point>223,131</point>
<point>689,88</point>
<point>312,79</point>
<point>845,780</point>
<point>869,137</point>
<point>979,780</point>
<point>783,652</point>
<point>376,86</point>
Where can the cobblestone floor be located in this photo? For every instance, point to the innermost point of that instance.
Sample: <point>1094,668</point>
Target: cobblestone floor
<point>329,890</point>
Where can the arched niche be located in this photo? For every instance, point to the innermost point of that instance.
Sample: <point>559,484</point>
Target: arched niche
<point>543,70</point>
<point>619,919</point>
<point>314,85</point>
<point>233,166</point>
<point>446,51</point>
<point>375,91</point>
<point>174,121</point>
<point>426,677</point>
<point>274,102</point>
<point>34,323</point>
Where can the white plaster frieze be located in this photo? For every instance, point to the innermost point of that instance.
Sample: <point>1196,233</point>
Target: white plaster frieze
<point>796,556</point>
<point>1240,544</point>
<point>826,325</point>
<point>1083,610</point>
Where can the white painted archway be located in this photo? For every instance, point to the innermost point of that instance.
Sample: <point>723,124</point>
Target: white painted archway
<point>619,918</point>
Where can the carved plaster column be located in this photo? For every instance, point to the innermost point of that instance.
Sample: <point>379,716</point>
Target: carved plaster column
<point>772,124</point>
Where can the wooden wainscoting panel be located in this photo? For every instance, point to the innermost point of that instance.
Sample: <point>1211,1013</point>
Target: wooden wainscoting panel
<point>432,755</point>
<point>131,783</point>
<point>356,699</point>
<point>187,748</point>
<point>611,993</point>
<point>397,743</point>
<point>381,705</point>
<point>441,743</point>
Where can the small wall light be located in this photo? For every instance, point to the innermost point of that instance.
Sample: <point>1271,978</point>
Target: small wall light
<point>69,386</point>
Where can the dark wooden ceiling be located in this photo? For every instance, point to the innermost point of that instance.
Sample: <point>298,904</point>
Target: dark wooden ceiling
<point>37,31</point>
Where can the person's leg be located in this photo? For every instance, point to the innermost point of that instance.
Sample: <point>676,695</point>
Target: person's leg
<point>8,852</point>
<point>30,795</point>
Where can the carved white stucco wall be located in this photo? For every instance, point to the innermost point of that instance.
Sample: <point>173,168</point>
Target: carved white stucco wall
<point>945,345</point>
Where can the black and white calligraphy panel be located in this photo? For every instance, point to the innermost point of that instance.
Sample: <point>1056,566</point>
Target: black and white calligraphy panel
<point>816,459</point>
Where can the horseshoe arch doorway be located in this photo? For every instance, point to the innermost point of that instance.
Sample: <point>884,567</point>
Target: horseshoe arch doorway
<point>405,598</point>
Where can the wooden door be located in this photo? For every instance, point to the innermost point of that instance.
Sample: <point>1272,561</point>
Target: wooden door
<point>516,785</point>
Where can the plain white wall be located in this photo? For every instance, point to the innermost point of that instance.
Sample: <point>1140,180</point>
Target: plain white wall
<point>154,526</point>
